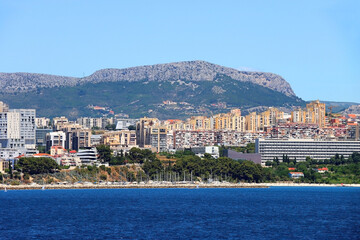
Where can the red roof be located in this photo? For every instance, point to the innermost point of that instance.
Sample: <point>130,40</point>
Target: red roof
<point>291,168</point>
<point>72,151</point>
<point>172,120</point>
<point>296,173</point>
<point>323,169</point>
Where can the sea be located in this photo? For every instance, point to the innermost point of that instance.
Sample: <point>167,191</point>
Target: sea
<point>268,213</point>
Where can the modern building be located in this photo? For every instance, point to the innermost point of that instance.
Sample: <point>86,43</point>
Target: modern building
<point>212,150</point>
<point>299,149</point>
<point>55,139</point>
<point>59,121</point>
<point>88,156</point>
<point>42,122</point>
<point>253,157</point>
<point>119,139</point>
<point>17,128</point>
<point>41,136</point>
<point>158,139</point>
<point>353,132</point>
<point>95,140</point>
<point>10,153</point>
<point>124,123</point>
<point>143,130</point>
<point>314,113</point>
<point>76,136</point>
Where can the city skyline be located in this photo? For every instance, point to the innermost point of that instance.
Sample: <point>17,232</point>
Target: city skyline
<point>313,45</point>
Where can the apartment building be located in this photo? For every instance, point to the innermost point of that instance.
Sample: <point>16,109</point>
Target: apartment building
<point>158,139</point>
<point>302,148</point>
<point>42,122</point>
<point>17,128</point>
<point>76,136</point>
<point>119,139</point>
<point>55,139</point>
<point>143,130</point>
<point>314,113</point>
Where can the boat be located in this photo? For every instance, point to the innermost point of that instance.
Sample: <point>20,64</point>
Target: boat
<point>5,190</point>
<point>43,188</point>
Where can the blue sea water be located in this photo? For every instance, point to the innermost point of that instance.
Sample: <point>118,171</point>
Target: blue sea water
<point>273,213</point>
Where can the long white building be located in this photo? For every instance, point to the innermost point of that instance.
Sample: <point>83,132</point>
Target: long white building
<point>302,148</point>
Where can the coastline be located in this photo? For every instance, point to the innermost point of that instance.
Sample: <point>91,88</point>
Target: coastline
<point>167,185</point>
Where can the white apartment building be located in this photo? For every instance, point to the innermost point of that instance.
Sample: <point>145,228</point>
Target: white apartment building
<point>17,128</point>
<point>55,139</point>
<point>88,156</point>
<point>302,148</point>
<point>42,122</point>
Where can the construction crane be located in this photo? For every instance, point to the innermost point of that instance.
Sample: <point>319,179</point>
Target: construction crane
<point>330,116</point>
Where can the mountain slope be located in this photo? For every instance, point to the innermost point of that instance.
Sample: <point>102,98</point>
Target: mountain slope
<point>183,98</point>
<point>189,71</point>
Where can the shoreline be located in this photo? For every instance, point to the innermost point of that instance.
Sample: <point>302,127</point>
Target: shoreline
<point>167,186</point>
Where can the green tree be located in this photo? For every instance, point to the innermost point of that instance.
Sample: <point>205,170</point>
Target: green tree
<point>104,152</point>
<point>131,127</point>
<point>110,127</point>
<point>33,165</point>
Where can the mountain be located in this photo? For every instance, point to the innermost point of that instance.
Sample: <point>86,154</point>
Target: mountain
<point>190,71</point>
<point>353,109</point>
<point>163,90</point>
<point>337,106</point>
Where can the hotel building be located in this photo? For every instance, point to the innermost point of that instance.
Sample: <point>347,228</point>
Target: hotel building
<point>302,148</point>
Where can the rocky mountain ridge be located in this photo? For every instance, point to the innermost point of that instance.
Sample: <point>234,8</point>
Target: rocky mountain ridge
<point>354,109</point>
<point>192,71</point>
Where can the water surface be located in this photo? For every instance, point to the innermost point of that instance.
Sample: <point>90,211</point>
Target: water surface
<point>273,213</point>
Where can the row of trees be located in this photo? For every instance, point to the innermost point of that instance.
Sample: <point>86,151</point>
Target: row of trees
<point>340,169</point>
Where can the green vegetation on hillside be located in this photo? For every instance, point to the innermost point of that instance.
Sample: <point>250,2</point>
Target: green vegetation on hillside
<point>143,165</point>
<point>138,98</point>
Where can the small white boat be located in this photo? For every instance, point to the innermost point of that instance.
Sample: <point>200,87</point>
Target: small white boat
<point>43,188</point>
<point>5,190</point>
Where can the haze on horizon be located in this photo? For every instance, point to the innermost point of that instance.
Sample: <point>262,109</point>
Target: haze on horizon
<point>314,45</point>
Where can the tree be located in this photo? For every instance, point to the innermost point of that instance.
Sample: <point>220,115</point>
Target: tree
<point>33,165</point>
<point>104,152</point>
<point>131,127</point>
<point>110,127</point>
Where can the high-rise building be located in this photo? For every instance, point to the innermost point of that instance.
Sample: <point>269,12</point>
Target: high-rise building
<point>143,130</point>
<point>17,128</point>
<point>158,139</point>
<point>314,113</point>
<point>41,136</point>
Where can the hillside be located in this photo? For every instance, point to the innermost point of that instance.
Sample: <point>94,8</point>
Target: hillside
<point>162,99</point>
<point>187,71</point>
<point>337,106</point>
<point>353,109</point>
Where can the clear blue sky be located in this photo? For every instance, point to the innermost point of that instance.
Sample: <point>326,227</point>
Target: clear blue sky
<point>314,45</point>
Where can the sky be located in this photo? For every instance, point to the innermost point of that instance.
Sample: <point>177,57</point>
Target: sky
<point>314,45</point>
